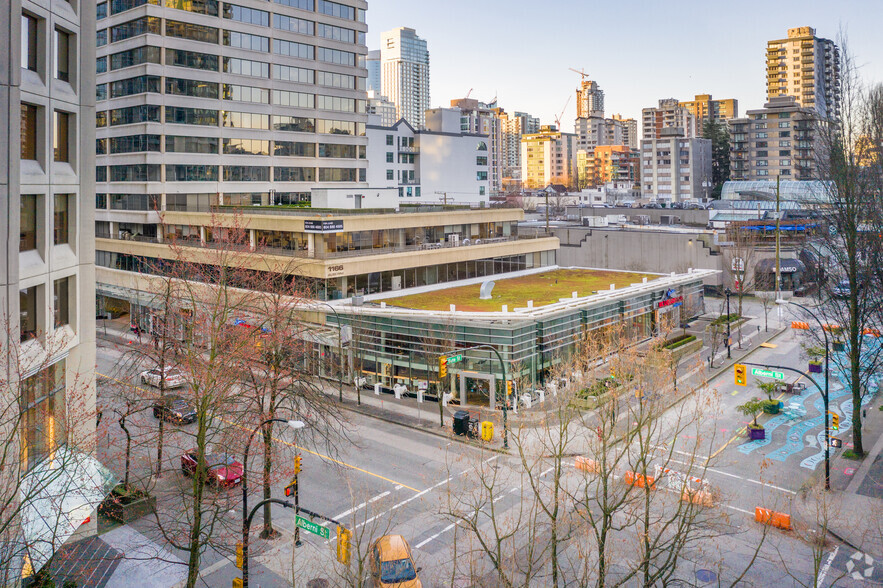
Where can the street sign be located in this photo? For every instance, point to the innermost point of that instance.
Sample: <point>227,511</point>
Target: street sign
<point>314,528</point>
<point>767,373</point>
<point>455,358</point>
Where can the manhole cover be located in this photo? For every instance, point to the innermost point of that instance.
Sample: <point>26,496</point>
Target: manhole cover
<point>706,576</point>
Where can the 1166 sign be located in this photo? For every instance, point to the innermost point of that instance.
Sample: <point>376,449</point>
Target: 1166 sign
<point>323,226</point>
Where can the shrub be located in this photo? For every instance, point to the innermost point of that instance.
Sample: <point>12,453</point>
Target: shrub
<point>680,341</point>
<point>726,318</point>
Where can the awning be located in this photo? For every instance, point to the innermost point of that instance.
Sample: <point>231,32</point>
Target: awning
<point>786,266</point>
<point>57,496</point>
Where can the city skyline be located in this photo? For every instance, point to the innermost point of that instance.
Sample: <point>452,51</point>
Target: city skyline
<point>739,42</point>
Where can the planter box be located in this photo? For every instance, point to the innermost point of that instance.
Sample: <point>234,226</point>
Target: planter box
<point>126,512</point>
<point>773,408</point>
<point>686,349</point>
<point>590,402</point>
<point>839,346</point>
<point>815,368</point>
<point>755,434</point>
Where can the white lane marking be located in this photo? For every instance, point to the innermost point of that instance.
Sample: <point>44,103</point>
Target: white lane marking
<point>361,506</point>
<point>547,471</point>
<point>737,509</point>
<point>428,539</point>
<point>698,458</point>
<point>824,571</point>
<point>723,473</point>
<point>399,487</point>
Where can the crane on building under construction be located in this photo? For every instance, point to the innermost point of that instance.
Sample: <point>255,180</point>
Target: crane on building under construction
<point>558,118</point>
<point>580,71</point>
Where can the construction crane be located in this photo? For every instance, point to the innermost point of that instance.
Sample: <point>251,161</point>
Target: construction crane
<point>469,93</point>
<point>558,118</point>
<point>580,71</point>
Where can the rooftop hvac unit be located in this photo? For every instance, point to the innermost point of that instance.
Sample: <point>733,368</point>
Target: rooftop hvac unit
<point>669,219</point>
<point>641,219</point>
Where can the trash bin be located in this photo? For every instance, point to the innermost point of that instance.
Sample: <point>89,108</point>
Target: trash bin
<point>461,422</point>
<point>474,429</point>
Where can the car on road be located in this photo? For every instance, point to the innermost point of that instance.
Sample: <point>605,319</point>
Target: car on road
<point>392,563</point>
<point>221,470</point>
<point>842,290</point>
<point>652,205</point>
<point>174,409</point>
<point>172,376</point>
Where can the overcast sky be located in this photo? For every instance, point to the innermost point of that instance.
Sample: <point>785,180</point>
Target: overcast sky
<point>638,50</point>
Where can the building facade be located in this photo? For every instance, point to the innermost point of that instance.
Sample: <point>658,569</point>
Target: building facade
<point>629,131</point>
<point>380,106</point>
<point>703,108</point>
<point>481,119</point>
<point>47,325</point>
<point>610,164</point>
<point>404,65</point>
<point>589,100</point>
<point>374,79</point>
<point>779,140</point>
<point>675,168</point>
<point>512,127</point>
<point>548,157</point>
<point>669,114</point>
<point>806,67</point>
<point>439,164</point>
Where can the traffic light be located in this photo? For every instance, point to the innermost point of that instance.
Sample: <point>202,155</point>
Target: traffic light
<point>508,387</point>
<point>239,554</point>
<point>291,489</point>
<point>741,374</point>
<point>442,367</point>
<point>237,582</point>
<point>344,536</point>
<point>835,421</point>
<point>297,463</point>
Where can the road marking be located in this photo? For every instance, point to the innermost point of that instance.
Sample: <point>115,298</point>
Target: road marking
<point>737,509</point>
<point>734,392</point>
<point>325,457</point>
<point>723,473</point>
<point>768,345</point>
<point>427,540</point>
<point>361,506</point>
<point>665,449</point>
<point>824,571</point>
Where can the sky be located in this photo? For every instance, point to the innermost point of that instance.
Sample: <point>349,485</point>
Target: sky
<point>639,51</point>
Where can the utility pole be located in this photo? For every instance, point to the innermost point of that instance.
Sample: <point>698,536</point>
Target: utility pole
<point>778,264</point>
<point>445,197</point>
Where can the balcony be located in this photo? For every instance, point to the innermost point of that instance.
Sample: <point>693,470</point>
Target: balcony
<point>407,149</point>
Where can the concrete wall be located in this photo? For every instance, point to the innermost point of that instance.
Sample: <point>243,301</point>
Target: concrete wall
<point>690,218</point>
<point>637,250</point>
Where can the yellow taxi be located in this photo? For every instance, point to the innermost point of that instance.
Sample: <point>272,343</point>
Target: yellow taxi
<point>392,564</point>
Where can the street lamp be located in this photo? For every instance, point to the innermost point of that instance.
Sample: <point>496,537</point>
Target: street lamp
<point>246,520</point>
<point>782,301</point>
<point>727,293</point>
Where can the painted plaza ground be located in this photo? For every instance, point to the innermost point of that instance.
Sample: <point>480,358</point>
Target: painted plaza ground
<point>543,288</point>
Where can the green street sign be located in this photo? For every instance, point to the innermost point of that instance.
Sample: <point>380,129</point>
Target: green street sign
<point>455,358</point>
<point>315,528</point>
<point>767,373</point>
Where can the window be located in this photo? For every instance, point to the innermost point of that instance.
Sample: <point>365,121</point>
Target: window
<point>294,174</point>
<point>294,149</point>
<point>246,147</point>
<point>336,80</point>
<point>246,15</point>
<point>302,4</point>
<point>101,10</point>
<point>194,88</point>
<point>785,162</point>
<point>294,123</point>
<point>43,414</point>
<point>134,114</point>
<point>61,291</point>
<point>136,56</point>
<point>194,32</point>
<point>28,131</point>
<point>335,9</point>
<point>62,55</point>
<point>28,42</point>
<point>293,74</point>
<point>335,33</point>
<point>293,49</point>
<point>134,201</point>
<point>61,219</point>
<point>101,38</point>
<point>61,136</point>
<point>191,59</point>
<point>336,56</point>
<point>336,150</point>
<point>101,201</point>
<point>481,176</point>
<point>209,7</point>
<point>337,103</point>
<point>294,25</point>
<point>295,99</point>
<point>481,160</point>
<point>191,173</point>
<point>178,144</point>
<point>246,41</point>
<point>100,173</point>
<point>100,146</point>
<point>390,140</point>
<point>133,28</point>
<point>139,172</point>
<point>785,125</point>
<point>480,191</point>
<point>135,144</point>
<point>390,157</point>
<point>246,173</point>
<point>482,146</point>
<point>27,310</point>
<point>390,174</point>
<point>246,67</point>
<point>246,94</point>
<point>245,120</point>
<point>28,223</point>
<point>340,127</point>
<point>101,65</point>
<point>136,85</point>
<point>191,116</point>
<point>117,6</point>
<point>337,174</point>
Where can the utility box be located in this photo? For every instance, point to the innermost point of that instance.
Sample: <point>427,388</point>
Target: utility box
<point>487,431</point>
<point>461,422</point>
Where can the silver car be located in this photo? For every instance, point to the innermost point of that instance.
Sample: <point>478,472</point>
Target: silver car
<point>173,378</point>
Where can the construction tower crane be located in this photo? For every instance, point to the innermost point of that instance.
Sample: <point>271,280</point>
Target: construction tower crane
<point>558,118</point>
<point>580,71</point>
<point>468,94</point>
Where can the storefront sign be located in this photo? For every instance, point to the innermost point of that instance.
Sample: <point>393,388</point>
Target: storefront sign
<point>334,270</point>
<point>323,226</point>
<point>670,300</point>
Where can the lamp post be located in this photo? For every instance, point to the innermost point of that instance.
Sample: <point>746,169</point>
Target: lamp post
<point>727,293</point>
<point>825,397</point>
<point>246,519</point>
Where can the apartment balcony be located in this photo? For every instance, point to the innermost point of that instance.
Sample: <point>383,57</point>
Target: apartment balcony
<point>409,182</point>
<point>406,149</point>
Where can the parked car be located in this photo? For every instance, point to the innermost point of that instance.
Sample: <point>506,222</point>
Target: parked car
<point>222,470</point>
<point>841,289</point>
<point>652,205</point>
<point>174,409</point>
<point>173,377</point>
<point>392,564</point>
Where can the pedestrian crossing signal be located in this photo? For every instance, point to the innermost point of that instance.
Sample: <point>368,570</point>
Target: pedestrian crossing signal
<point>836,442</point>
<point>442,367</point>
<point>740,372</point>
<point>291,489</point>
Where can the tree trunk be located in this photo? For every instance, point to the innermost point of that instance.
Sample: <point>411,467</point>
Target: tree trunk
<point>195,548</point>
<point>855,371</point>
<point>268,532</point>
<point>128,449</point>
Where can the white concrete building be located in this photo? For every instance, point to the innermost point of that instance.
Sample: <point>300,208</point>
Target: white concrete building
<point>404,65</point>
<point>481,119</point>
<point>433,165</point>
<point>382,107</point>
<point>675,168</point>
